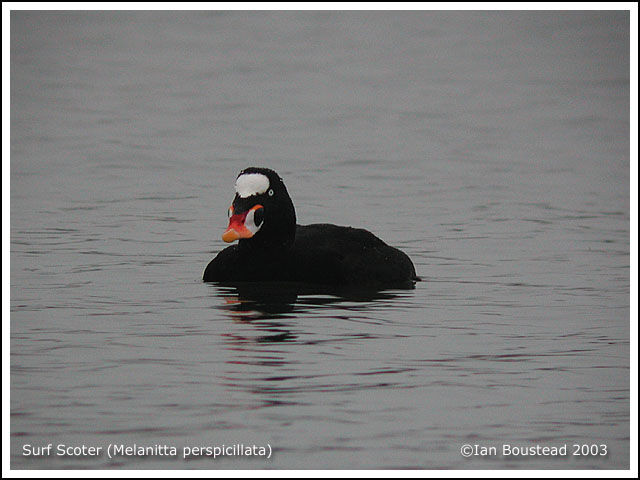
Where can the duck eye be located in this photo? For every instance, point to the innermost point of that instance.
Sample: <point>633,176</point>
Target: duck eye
<point>258,216</point>
<point>271,192</point>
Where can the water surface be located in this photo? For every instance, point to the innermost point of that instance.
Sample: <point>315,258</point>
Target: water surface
<point>493,148</point>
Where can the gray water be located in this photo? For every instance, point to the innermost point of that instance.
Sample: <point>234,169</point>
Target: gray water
<point>493,148</point>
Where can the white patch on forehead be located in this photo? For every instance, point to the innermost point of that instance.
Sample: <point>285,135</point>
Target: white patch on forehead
<point>251,184</point>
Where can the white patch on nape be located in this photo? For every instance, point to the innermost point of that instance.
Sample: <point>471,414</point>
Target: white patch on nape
<point>251,184</point>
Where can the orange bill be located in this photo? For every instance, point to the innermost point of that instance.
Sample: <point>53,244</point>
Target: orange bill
<point>236,229</point>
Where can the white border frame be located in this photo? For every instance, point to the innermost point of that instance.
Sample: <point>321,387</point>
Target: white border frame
<point>7,7</point>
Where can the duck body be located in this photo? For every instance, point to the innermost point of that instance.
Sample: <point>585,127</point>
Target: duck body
<point>321,253</point>
<point>280,250</point>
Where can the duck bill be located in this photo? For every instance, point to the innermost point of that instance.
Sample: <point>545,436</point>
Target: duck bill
<point>236,229</point>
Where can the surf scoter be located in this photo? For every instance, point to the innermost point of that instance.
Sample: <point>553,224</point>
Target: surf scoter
<point>272,247</point>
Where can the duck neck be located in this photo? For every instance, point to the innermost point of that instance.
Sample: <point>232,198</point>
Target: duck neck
<point>268,246</point>
<point>273,239</point>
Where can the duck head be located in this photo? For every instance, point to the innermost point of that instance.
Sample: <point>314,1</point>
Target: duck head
<point>262,213</point>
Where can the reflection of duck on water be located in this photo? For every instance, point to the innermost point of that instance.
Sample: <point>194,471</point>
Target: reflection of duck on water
<point>270,304</point>
<point>272,247</point>
<point>279,298</point>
